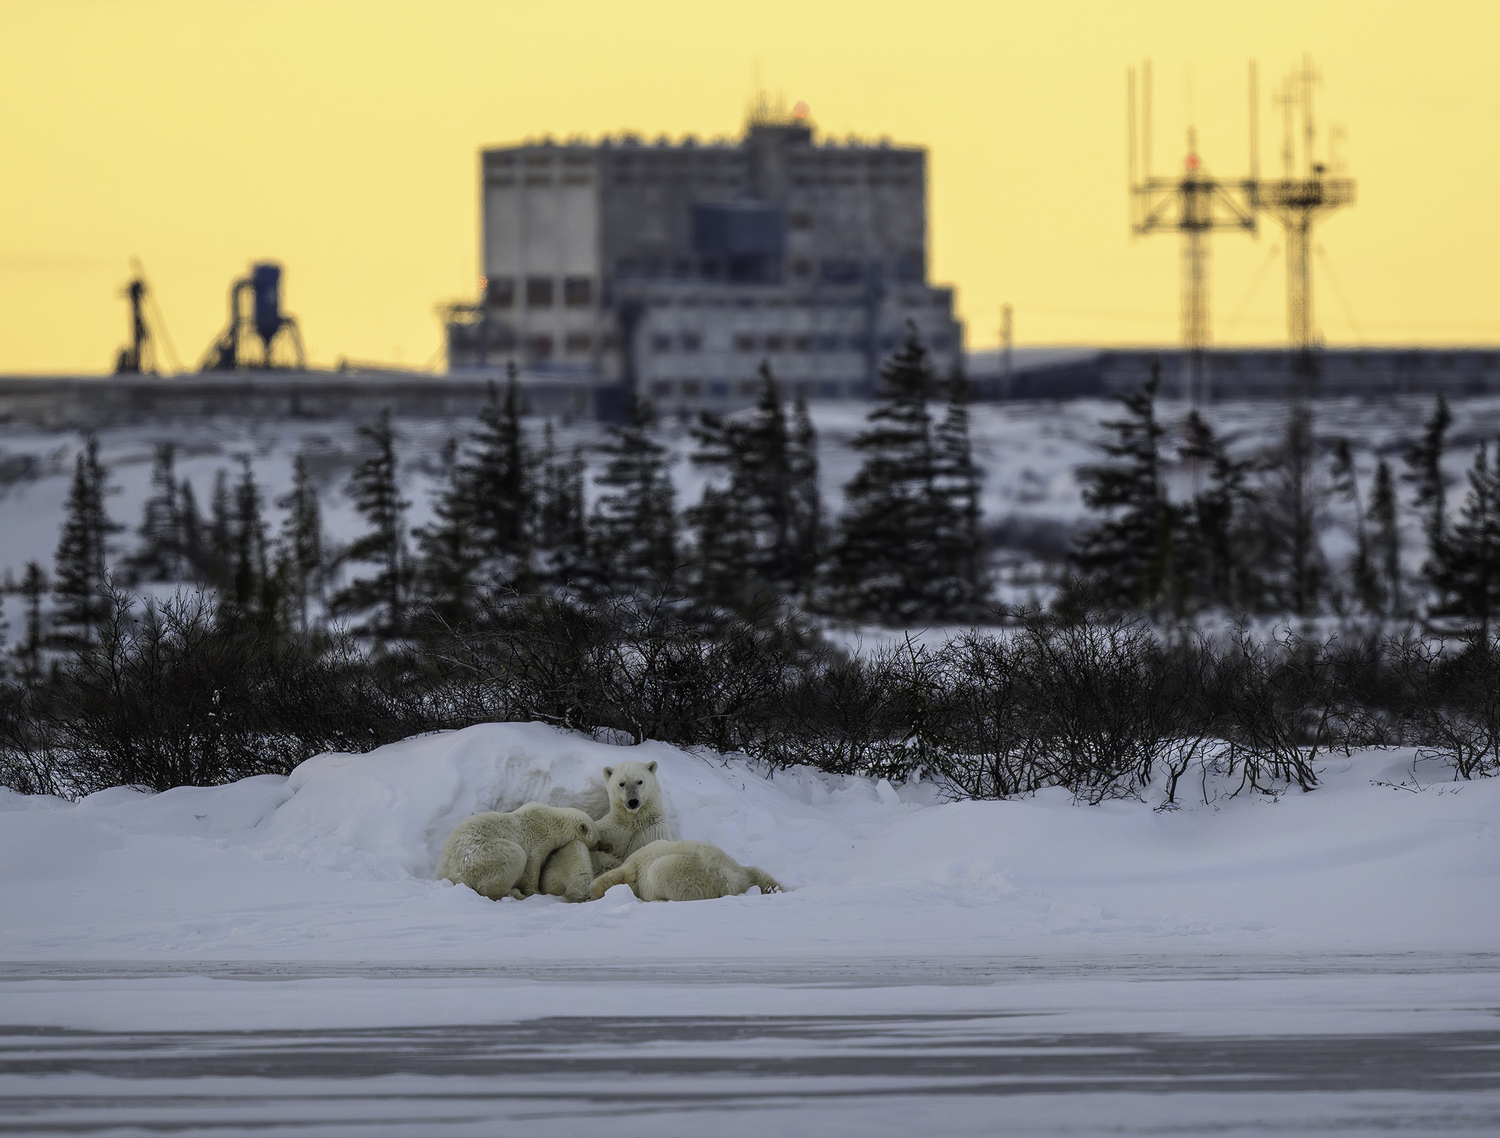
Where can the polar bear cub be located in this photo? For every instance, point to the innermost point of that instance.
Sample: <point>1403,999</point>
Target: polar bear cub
<point>637,815</point>
<point>683,871</point>
<point>501,854</point>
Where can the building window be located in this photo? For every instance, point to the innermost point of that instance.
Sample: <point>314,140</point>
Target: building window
<point>801,268</point>
<point>744,343</point>
<point>578,292</point>
<point>500,292</point>
<point>802,343</point>
<point>690,388</point>
<point>828,343</point>
<point>538,292</point>
<point>718,390</point>
<point>839,271</point>
<point>800,221</point>
<point>661,389</point>
<point>579,343</point>
<point>691,341</point>
<point>539,347</point>
<point>774,343</point>
<point>661,342</point>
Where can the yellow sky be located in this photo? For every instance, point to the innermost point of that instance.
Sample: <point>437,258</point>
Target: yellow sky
<point>340,138</point>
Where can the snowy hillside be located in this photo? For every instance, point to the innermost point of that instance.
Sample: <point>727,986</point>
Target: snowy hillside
<point>337,862</point>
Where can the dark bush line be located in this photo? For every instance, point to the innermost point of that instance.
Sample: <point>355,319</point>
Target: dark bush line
<point>190,693</point>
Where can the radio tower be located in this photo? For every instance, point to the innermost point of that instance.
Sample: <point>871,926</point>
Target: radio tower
<point>1296,202</point>
<point>1193,204</point>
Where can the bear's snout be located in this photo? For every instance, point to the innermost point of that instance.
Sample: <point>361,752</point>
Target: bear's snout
<point>634,803</point>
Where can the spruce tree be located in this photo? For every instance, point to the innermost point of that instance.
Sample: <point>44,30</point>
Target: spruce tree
<point>1345,484</point>
<point>33,589</point>
<point>450,553</point>
<point>1469,576</point>
<point>959,584</point>
<point>559,523</point>
<point>725,566</point>
<point>806,538</point>
<point>633,526</point>
<point>1294,509</point>
<point>300,554</point>
<point>81,560</point>
<point>1386,543</point>
<point>195,553</point>
<point>1213,555</point>
<point>498,482</point>
<point>250,582</point>
<point>1424,472</point>
<point>221,533</point>
<point>377,497</point>
<point>159,554</point>
<point>1127,557</point>
<point>887,546</point>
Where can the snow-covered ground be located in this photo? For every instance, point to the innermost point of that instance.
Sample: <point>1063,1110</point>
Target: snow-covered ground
<point>275,955</point>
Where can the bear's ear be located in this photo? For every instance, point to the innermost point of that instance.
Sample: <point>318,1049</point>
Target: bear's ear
<point>607,772</point>
<point>651,766</point>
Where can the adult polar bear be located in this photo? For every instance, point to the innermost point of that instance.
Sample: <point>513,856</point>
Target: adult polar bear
<point>683,871</point>
<point>501,854</point>
<point>637,816</point>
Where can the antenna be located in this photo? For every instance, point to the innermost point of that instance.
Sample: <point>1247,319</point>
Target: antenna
<point>1193,204</point>
<point>1254,122</point>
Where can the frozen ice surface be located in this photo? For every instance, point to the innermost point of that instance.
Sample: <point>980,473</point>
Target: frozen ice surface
<point>275,956</point>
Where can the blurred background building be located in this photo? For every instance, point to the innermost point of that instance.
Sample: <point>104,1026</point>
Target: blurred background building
<point>674,270</point>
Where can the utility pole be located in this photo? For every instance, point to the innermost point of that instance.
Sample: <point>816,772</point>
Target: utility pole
<point>1193,204</point>
<point>1005,346</point>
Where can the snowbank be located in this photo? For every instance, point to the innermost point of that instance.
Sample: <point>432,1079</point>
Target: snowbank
<point>336,862</point>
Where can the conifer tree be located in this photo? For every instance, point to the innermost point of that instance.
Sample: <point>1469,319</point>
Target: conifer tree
<point>499,486</point>
<point>633,525</point>
<point>1424,472</point>
<point>159,555</point>
<point>1213,555</point>
<point>195,554</point>
<point>33,589</point>
<point>1127,558</point>
<point>250,581</point>
<point>300,556</point>
<point>1294,509</point>
<point>1469,576</point>
<point>888,535</point>
<point>806,538</point>
<point>377,496</point>
<point>959,583</point>
<point>82,556</point>
<point>1386,543</point>
<point>450,553</point>
<point>1345,484</point>
<point>221,533</point>
<point>559,521</point>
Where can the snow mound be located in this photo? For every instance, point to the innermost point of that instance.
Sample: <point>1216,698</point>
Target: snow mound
<point>337,861</point>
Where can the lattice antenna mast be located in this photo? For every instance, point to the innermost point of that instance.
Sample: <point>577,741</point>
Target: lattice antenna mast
<point>1304,193</point>
<point>1193,204</point>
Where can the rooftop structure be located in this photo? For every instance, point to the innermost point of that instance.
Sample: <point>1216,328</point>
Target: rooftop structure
<point>675,269</point>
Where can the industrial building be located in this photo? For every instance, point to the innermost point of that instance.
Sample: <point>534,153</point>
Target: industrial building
<point>673,270</point>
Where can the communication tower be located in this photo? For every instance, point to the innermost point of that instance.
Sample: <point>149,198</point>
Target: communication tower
<point>1194,204</point>
<point>1305,192</point>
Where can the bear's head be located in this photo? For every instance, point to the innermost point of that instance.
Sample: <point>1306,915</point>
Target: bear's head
<point>632,785</point>
<point>587,832</point>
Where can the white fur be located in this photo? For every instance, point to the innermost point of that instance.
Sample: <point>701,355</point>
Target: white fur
<point>683,871</point>
<point>624,829</point>
<point>501,855</point>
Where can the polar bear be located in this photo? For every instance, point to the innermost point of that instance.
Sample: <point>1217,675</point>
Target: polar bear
<point>637,815</point>
<point>501,855</point>
<point>683,871</point>
<point>569,871</point>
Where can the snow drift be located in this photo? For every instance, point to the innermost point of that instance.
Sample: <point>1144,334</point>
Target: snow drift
<point>337,862</point>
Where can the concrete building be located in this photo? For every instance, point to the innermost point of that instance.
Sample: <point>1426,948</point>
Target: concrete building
<point>675,269</point>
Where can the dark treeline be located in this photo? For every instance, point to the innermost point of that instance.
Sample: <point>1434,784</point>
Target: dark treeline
<point>525,599</point>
